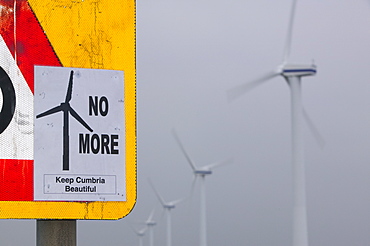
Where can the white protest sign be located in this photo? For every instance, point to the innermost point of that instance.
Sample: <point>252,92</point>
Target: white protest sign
<point>79,148</point>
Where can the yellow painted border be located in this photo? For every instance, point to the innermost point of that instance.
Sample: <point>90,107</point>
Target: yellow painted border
<point>96,34</point>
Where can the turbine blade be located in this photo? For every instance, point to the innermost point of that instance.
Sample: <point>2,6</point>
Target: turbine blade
<point>142,223</point>
<point>50,111</point>
<point>313,129</point>
<point>142,231</point>
<point>134,229</point>
<point>183,149</point>
<point>175,202</point>
<point>240,90</point>
<point>79,119</point>
<point>192,192</point>
<point>193,186</point>
<point>69,90</point>
<point>156,193</point>
<point>217,164</point>
<point>288,41</point>
<point>150,218</point>
<point>162,213</point>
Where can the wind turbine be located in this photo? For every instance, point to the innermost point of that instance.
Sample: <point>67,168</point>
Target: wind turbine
<point>140,234</point>
<point>167,206</point>
<point>150,223</point>
<point>201,172</point>
<point>292,73</point>
<point>66,108</point>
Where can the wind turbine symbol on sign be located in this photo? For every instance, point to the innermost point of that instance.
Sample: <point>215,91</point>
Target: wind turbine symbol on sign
<point>66,108</point>
<point>292,73</point>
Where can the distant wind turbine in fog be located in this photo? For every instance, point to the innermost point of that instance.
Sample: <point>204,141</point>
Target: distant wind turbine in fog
<point>201,172</point>
<point>150,223</point>
<point>140,234</point>
<point>167,206</point>
<point>292,73</point>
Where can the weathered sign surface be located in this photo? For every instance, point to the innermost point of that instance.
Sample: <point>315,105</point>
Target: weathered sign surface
<point>68,109</point>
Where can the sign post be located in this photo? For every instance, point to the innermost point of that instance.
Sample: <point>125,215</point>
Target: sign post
<point>68,115</point>
<point>56,233</point>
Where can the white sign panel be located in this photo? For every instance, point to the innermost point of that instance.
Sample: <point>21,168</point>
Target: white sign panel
<point>16,139</point>
<point>79,148</point>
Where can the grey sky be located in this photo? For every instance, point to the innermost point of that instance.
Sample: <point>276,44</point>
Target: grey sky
<point>189,53</point>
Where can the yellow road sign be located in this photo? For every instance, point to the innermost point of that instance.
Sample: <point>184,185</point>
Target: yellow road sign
<point>79,35</point>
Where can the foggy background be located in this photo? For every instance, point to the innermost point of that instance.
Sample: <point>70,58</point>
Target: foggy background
<point>189,53</point>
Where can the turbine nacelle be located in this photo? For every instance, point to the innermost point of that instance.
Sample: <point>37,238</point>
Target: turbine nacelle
<point>294,70</point>
<point>65,106</point>
<point>202,172</point>
<point>169,206</point>
<point>150,223</point>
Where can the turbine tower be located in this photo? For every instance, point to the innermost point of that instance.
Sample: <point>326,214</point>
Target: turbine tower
<point>150,223</point>
<point>201,172</point>
<point>66,108</point>
<point>292,73</point>
<point>167,206</point>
